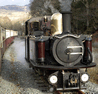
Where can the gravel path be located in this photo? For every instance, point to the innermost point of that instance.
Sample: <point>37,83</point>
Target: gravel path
<point>16,76</point>
<point>92,87</point>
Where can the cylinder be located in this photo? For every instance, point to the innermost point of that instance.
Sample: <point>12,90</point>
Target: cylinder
<point>41,51</point>
<point>87,45</point>
<point>66,21</point>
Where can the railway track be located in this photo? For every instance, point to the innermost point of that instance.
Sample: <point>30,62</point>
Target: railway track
<point>77,92</point>
<point>43,86</point>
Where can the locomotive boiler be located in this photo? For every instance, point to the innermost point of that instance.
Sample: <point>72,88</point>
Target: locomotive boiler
<point>59,56</point>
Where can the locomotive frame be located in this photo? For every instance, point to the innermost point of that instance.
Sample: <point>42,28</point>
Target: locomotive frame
<point>62,76</point>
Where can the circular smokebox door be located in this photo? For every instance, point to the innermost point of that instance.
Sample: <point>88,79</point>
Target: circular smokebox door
<point>67,51</point>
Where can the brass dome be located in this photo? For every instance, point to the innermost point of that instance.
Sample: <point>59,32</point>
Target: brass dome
<point>56,24</point>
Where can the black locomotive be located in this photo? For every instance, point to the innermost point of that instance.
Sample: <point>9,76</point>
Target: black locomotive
<point>60,55</point>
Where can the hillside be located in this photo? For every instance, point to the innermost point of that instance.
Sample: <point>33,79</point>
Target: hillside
<point>15,8</point>
<point>14,12</point>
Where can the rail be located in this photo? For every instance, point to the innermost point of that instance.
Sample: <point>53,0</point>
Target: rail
<point>78,92</point>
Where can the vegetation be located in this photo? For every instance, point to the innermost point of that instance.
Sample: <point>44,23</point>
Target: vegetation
<point>93,72</point>
<point>84,13</point>
<point>44,7</point>
<point>85,16</point>
<point>17,25</point>
<point>13,16</point>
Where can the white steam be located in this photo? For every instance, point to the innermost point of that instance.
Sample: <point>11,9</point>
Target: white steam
<point>65,5</point>
<point>48,4</point>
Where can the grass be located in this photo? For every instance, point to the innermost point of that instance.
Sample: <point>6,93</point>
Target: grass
<point>93,73</point>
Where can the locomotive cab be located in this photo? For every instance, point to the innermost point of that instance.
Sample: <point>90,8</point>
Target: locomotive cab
<point>35,29</point>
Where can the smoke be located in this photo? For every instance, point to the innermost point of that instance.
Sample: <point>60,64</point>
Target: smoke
<point>65,5</point>
<point>48,4</point>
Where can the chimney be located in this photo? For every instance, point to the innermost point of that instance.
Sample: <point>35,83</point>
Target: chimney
<point>66,22</point>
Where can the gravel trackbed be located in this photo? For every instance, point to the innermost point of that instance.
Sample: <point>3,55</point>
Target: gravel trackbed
<point>16,76</point>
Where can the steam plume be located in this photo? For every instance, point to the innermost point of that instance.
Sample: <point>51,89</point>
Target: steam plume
<point>48,4</point>
<point>65,5</point>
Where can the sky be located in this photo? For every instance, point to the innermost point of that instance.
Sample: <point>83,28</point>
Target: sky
<point>14,2</point>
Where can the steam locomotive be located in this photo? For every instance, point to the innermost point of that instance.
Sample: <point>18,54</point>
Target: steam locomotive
<point>56,53</point>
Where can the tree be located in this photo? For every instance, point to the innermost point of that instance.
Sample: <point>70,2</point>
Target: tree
<point>6,22</point>
<point>44,7</point>
<point>87,4</point>
<point>82,14</point>
<point>37,7</point>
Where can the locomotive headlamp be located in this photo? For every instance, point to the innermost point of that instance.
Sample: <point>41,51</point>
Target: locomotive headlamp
<point>53,79</point>
<point>45,19</point>
<point>84,77</point>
